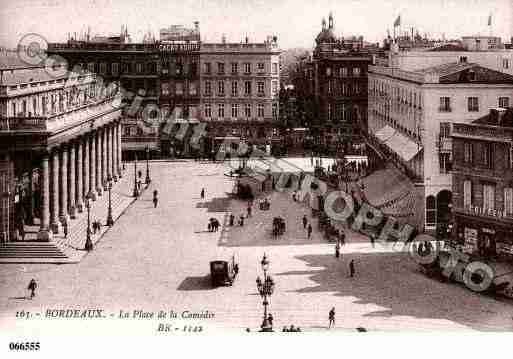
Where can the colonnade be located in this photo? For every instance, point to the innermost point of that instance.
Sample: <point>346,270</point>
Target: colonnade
<point>70,171</point>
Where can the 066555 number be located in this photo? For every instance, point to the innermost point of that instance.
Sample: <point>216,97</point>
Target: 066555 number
<point>24,346</point>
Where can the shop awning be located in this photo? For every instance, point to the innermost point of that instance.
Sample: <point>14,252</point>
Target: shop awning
<point>397,142</point>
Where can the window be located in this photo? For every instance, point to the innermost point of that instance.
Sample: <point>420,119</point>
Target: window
<point>165,89</point>
<point>504,102</point>
<point>235,67</point>
<point>194,68</point>
<point>220,68</point>
<point>208,88</point>
<point>192,89</point>
<point>260,88</point>
<point>344,89</point>
<point>260,110</point>
<point>115,69</point>
<point>329,112</point>
<point>275,110</point>
<point>430,211</point>
<point>275,87</point>
<point>208,110</point>
<point>445,129</point>
<point>444,160</point>
<point>247,88</point>
<point>220,110</point>
<point>247,110</point>
<point>356,88</point>
<point>247,68</point>
<point>235,110</point>
<point>275,68</point>
<point>488,197</point>
<point>343,71</point>
<point>235,89</point>
<point>505,63</point>
<point>473,104</point>
<point>103,68</point>
<point>208,68</point>
<point>356,71</point>
<point>220,88</point>
<point>467,193</point>
<point>488,155</point>
<point>44,101</point>
<point>445,104</point>
<point>90,67</point>
<point>179,88</point>
<point>139,68</point>
<point>508,201</point>
<point>127,130</point>
<point>260,67</point>
<point>468,152</point>
<point>328,71</point>
<point>34,106</point>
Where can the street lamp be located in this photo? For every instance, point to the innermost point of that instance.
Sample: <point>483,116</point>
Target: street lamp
<point>110,220</point>
<point>265,289</point>
<point>89,242</point>
<point>136,190</point>
<point>148,179</point>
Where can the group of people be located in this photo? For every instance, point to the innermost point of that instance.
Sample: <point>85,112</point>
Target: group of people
<point>291,329</point>
<point>264,204</point>
<point>213,225</point>
<point>97,226</point>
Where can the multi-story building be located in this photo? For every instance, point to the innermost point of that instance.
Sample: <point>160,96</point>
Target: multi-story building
<point>240,90</point>
<point>411,115</point>
<point>136,66</point>
<point>60,140</point>
<point>179,83</point>
<point>334,81</point>
<point>483,184</point>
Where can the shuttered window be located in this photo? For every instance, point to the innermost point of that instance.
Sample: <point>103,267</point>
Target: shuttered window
<point>467,193</point>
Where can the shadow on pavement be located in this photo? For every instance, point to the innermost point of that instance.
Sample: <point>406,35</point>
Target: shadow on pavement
<point>196,283</point>
<point>215,204</point>
<point>393,282</point>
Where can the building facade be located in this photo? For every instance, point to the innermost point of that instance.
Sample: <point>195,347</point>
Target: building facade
<point>240,90</point>
<point>483,185</point>
<point>60,141</point>
<point>411,115</point>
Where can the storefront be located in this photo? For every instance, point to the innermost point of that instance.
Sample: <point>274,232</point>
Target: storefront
<point>489,236</point>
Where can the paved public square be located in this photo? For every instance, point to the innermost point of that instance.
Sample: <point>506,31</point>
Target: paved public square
<point>155,259</point>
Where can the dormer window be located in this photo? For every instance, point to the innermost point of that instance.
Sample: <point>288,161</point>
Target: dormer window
<point>471,75</point>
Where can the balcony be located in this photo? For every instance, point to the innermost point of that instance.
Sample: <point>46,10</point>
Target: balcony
<point>54,122</point>
<point>444,144</point>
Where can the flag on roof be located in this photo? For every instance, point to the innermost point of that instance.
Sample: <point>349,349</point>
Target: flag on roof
<point>397,21</point>
<point>490,20</point>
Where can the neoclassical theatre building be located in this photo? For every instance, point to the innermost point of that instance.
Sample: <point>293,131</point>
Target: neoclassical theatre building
<point>60,141</point>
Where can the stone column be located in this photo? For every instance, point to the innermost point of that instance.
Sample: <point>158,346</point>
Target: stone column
<point>114,153</point>
<point>63,213</point>
<point>92,166</point>
<point>30,194</point>
<point>44,179</point>
<point>99,180</point>
<point>86,166</point>
<point>55,224</point>
<point>80,176</point>
<point>120,158</point>
<point>108,149</point>
<point>72,181</point>
<point>104,158</point>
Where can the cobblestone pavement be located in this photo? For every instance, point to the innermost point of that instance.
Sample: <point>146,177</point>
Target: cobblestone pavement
<point>158,259</point>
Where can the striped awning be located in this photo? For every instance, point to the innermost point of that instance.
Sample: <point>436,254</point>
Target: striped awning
<point>397,142</point>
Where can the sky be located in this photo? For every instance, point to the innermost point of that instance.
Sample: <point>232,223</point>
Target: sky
<point>295,22</point>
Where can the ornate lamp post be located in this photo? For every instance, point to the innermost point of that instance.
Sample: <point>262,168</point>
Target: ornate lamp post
<point>110,220</point>
<point>136,189</point>
<point>265,289</point>
<point>89,242</point>
<point>148,179</point>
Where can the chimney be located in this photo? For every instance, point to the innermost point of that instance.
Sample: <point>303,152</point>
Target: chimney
<point>196,26</point>
<point>223,39</point>
<point>246,40</point>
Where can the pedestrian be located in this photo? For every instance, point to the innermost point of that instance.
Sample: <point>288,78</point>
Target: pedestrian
<point>249,210</point>
<point>351,268</point>
<point>210,225</point>
<point>342,238</point>
<point>294,198</point>
<point>337,250</point>
<point>332,317</point>
<point>216,225</point>
<point>305,221</point>
<point>21,229</point>
<point>232,219</point>
<point>65,228</point>
<point>202,193</point>
<point>309,230</point>
<point>241,220</point>
<point>32,287</point>
<point>372,239</point>
<point>155,199</point>
<point>270,319</point>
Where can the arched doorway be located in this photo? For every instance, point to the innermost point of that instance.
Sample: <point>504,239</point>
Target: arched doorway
<point>443,210</point>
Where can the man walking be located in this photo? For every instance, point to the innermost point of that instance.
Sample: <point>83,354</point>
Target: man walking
<point>32,287</point>
<point>202,193</point>
<point>305,221</point>
<point>309,230</point>
<point>249,209</point>
<point>337,250</point>
<point>332,317</point>
<point>351,268</point>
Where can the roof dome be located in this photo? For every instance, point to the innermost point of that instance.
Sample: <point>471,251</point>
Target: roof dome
<point>326,36</point>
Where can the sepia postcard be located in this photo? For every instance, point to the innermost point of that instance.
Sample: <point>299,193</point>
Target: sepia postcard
<point>189,169</point>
